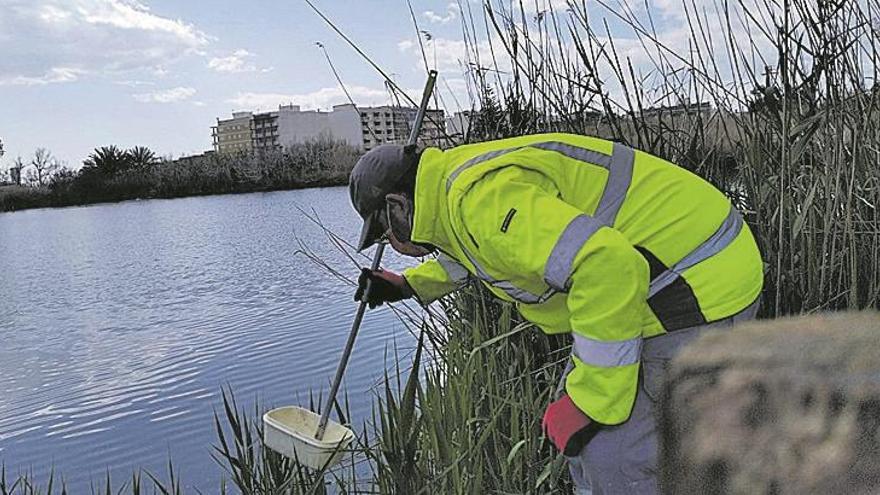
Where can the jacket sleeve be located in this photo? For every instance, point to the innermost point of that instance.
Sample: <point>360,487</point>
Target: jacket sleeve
<point>435,278</point>
<point>528,235</point>
<point>607,291</point>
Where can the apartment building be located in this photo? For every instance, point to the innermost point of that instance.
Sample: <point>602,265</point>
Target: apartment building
<point>234,135</point>
<point>297,126</point>
<point>265,135</point>
<point>363,128</point>
<point>459,124</point>
<point>392,124</point>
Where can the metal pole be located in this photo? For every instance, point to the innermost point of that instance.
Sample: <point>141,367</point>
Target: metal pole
<point>420,115</point>
<point>349,345</point>
<point>377,260</point>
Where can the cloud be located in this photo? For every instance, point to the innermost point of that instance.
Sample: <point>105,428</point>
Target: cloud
<point>134,83</point>
<point>53,75</point>
<point>434,18</point>
<point>232,63</point>
<point>323,98</point>
<point>133,16</point>
<point>166,95</point>
<point>235,63</point>
<point>97,37</point>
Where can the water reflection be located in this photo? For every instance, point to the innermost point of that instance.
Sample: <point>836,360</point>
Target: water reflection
<point>120,323</point>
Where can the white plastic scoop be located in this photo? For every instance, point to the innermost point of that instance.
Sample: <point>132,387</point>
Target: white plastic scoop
<point>301,434</point>
<point>315,441</point>
<point>290,431</point>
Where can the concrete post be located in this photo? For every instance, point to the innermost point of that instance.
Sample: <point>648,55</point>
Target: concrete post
<point>789,406</point>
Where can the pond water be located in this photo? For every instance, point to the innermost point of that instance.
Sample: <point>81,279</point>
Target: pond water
<point>120,323</point>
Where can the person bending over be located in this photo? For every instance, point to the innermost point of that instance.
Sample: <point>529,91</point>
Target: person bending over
<point>631,255</point>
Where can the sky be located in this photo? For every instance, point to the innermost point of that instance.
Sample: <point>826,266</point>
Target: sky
<point>79,74</point>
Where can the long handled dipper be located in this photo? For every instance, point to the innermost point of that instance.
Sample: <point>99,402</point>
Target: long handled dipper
<point>297,432</point>
<point>377,259</point>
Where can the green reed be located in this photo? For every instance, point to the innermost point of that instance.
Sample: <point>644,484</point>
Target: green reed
<point>789,132</point>
<point>772,102</point>
<point>463,418</point>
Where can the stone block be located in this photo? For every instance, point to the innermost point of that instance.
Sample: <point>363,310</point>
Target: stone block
<point>787,406</point>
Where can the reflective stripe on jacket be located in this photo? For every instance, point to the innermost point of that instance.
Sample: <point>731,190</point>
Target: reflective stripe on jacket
<point>590,237</point>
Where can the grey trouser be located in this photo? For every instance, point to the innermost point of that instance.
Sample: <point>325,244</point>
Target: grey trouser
<point>623,459</point>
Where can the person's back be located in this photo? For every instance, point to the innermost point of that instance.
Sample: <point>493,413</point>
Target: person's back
<point>667,213</point>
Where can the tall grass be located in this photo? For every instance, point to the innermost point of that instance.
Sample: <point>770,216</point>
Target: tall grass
<point>789,131</point>
<point>24,484</point>
<point>467,424</point>
<point>790,134</point>
<point>773,103</point>
<point>463,421</point>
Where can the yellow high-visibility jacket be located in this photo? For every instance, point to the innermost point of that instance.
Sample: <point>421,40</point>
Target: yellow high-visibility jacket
<point>587,236</point>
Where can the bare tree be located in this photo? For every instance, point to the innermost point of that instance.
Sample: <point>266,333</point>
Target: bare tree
<point>3,173</point>
<point>44,164</point>
<point>15,171</point>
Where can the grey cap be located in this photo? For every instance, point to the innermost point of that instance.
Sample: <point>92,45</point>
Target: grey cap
<point>374,175</point>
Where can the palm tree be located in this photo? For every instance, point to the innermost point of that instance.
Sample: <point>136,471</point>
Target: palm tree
<point>142,157</point>
<point>107,160</point>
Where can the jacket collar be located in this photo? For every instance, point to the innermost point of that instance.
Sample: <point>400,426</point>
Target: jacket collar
<point>430,219</point>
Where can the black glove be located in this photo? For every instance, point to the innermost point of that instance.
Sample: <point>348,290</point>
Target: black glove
<point>385,287</point>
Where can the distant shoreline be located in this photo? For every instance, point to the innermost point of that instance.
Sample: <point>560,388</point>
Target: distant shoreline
<point>111,175</point>
<point>7,191</point>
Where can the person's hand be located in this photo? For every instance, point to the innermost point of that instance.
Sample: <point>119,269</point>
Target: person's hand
<point>385,287</point>
<point>567,427</point>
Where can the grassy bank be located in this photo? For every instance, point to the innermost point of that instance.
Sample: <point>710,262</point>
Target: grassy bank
<point>311,164</point>
<point>774,106</point>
